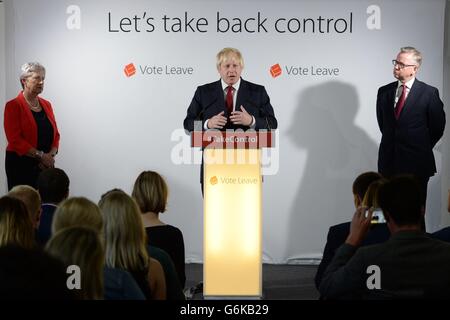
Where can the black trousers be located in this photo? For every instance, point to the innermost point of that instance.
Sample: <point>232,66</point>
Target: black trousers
<point>21,170</point>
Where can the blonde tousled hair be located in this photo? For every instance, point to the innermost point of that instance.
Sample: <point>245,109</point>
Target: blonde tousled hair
<point>82,247</point>
<point>225,53</point>
<point>30,198</point>
<point>124,234</point>
<point>77,211</point>
<point>15,223</point>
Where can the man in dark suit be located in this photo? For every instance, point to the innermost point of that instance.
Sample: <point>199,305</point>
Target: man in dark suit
<point>337,234</point>
<point>409,265</point>
<point>231,102</point>
<point>411,119</point>
<point>53,187</point>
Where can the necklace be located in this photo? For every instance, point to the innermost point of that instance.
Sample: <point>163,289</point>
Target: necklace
<point>33,106</point>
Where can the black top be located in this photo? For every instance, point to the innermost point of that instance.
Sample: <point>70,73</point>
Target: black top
<point>45,131</point>
<point>120,285</point>
<point>141,278</point>
<point>44,231</point>
<point>170,239</point>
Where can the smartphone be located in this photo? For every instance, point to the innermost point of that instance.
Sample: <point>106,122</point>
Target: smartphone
<point>377,216</point>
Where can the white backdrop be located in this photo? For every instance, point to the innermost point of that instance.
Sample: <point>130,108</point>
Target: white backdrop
<point>113,126</point>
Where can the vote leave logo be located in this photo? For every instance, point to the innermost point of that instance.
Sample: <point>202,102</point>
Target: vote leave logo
<point>275,70</point>
<point>130,70</point>
<point>214,180</point>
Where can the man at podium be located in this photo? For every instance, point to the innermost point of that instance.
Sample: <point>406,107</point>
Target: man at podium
<point>231,102</point>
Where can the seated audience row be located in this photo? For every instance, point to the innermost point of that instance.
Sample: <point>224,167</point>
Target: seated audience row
<point>145,271</point>
<point>410,264</point>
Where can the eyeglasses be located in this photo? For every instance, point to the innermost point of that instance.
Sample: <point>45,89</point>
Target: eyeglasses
<point>401,65</point>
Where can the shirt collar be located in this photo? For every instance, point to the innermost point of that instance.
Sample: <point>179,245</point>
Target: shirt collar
<point>408,83</point>
<point>235,86</point>
<point>49,204</point>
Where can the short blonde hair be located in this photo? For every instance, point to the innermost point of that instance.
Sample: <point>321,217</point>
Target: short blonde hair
<point>225,53</point>
<point>124,233</point>
<point>150,192</point>
<point>30,198</point>
<point>15,223</point>
<point>81,246</point>
<point>77,211</point>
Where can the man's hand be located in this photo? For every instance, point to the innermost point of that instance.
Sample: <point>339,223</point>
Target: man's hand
<point>241,117</point>
<point>218,121</point>
<point>360,226</point>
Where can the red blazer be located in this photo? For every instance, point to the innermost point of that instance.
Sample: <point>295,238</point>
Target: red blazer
<point>20,126</point>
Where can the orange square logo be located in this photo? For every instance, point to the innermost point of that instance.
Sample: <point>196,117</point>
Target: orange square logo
<point>214,180</point>
<point>129,70</point>
<point>275,70</point>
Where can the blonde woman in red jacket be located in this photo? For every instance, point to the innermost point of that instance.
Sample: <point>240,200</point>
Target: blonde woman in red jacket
<point>31,131</point>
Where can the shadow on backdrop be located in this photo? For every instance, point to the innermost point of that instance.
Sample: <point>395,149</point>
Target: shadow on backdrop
<point>337,150</point>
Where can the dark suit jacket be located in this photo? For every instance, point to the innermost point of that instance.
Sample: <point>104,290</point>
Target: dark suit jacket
<point>209,100</point>
<point>412,264</point>
<point>442,234</point>
<point>45,225</point>
<point>337,235</point>
<point>407,143</point>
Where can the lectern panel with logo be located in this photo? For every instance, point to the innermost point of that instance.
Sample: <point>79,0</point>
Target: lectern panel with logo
<point>233,213</point>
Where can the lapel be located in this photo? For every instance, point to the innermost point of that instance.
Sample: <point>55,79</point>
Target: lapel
<point>242,96</point>
<point>391,100</point>
<point>414,94</point>
<point>25,108</point>
<point>218,96</point>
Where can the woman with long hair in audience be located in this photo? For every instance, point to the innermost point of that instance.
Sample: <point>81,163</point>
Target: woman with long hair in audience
<point>77,211</point>
<point>81,247</point>
<point>151,192</point>
<point>125,244</point>
<point>370,200</point>
<point>16,226</point>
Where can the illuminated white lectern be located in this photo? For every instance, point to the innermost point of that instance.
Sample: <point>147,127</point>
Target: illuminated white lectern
<point>232,242</point>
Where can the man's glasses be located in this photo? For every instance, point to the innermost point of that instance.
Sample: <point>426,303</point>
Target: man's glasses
<point>401,65</point>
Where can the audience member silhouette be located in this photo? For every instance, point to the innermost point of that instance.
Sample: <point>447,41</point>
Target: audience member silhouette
<point>31,274</point>
<point>409,265</point>
<point>32,200</point>
<point>77,211</point>
<point>125,244</point>
<point>151,192</point>
<point>80,247</point>
<point>53,186</point>
<point>15,223</point>
<point>338,233</point>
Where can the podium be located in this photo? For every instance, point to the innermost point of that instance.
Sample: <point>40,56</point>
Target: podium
<point>232,241</point>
